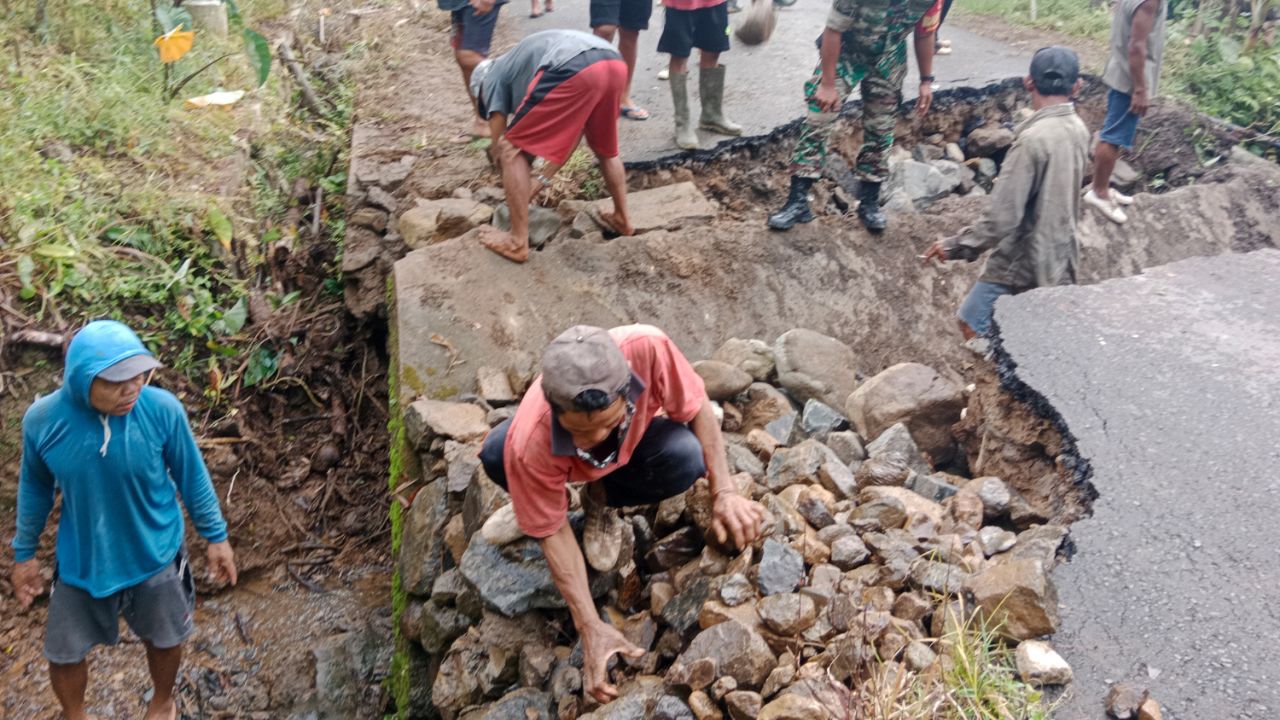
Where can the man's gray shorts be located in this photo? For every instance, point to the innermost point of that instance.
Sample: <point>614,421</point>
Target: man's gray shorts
<point>158,611</point>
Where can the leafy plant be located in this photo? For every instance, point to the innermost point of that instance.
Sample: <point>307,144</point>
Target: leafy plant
<point>172,19</point>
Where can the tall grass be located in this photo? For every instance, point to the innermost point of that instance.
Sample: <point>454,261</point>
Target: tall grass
<point>975,679</point>
<point>1081,18</point>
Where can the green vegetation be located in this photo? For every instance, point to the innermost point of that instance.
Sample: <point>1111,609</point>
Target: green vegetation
<point>977,680</point>
<point>398,680</point>
<point>1217,57</point>
<point>121,202</point>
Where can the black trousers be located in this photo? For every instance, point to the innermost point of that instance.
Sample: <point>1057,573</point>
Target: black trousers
<point>667,462</point>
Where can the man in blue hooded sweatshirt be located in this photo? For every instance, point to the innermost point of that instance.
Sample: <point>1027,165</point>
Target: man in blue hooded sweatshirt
<point>122,453</point>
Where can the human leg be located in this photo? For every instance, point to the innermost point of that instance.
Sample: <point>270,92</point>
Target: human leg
<point>677,40</point>
<point>1119,129</point>
<point>77,622</point>
<point>516,183</point>
<point>69,683</point>
<point>633,17</point>
<point>159,610</point>
<point>601,133</point>
<point>628,46</point>
<point>881,97</point>
<point>472,38</point>
<point>811,147</point>
<point>978,307</point>
<point>163,664</point>
<point>492,452</point>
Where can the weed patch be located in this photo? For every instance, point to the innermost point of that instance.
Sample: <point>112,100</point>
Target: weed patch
<point>121,203</point>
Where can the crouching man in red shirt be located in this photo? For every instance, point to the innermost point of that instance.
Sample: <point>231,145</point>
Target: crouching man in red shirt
<point>596,415</point>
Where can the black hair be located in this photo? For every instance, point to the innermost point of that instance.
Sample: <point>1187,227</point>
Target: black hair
<point>592,400</point>
<point>1053,84</point>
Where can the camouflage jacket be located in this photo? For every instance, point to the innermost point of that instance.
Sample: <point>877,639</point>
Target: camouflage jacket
<point>871,28</point>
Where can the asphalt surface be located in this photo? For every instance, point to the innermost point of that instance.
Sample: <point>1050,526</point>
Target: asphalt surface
<point>764,86</point>
<point>1170,382</point>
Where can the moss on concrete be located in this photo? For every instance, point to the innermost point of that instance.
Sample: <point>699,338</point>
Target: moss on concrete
<point>398,677</point>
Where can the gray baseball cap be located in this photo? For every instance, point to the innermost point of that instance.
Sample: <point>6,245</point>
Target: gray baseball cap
<point>129,368</point>
<point>1055,69</point>
<point>583,358</point>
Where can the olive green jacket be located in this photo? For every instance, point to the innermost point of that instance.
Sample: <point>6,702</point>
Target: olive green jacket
<point>1031,221</point>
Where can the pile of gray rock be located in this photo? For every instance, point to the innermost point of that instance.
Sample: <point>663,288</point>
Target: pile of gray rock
<point>935,168</point>
<point>869,559</point>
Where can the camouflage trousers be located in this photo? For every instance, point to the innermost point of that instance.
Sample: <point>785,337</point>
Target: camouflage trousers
<point>881,85</point>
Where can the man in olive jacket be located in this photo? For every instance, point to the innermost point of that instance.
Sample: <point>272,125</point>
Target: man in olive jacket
<point>1031,221</point>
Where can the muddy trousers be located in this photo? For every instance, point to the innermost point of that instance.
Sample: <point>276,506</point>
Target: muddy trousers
<point>881,86</point>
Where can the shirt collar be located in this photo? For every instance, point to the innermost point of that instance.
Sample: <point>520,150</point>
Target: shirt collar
<point>1066,108</point>
<point>562,442</point>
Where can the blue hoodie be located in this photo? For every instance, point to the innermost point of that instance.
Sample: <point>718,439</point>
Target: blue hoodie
<point>120,476</point>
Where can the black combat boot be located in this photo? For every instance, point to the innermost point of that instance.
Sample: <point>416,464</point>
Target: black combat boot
<point>797,208</point>
<point>869,211</point>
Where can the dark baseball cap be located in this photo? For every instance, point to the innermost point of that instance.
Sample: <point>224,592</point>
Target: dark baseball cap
<point>129,368</point>
<point>1055,69</point>
<point>583,358</point>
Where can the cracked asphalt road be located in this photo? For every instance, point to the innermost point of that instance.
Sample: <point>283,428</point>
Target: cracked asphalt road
<point>1170,382</point>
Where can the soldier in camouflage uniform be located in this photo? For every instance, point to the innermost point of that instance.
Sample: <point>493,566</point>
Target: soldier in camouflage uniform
<point>865,41</point>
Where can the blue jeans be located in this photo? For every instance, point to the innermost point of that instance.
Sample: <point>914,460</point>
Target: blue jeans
<point>666,462</point>
<point>1120,126</point>
<point>980,305</point>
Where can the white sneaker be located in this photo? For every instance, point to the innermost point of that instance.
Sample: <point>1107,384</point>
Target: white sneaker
<point>501,528</point>
<point>1120,198</point>
<point>1108,207</point>
<point>664,73</point>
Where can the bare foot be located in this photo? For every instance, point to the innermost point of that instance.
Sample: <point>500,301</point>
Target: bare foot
<point>618,223</point>
<point>504,243</point>
<point>168,711</point>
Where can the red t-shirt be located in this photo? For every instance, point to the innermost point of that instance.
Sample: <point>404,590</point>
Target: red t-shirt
<point>662,381</point>
<point>692,4</point>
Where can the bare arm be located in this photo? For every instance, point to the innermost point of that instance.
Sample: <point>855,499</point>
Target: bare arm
<point>1144,20</point>
<point>829,57</point>
<point>734,517</point>
<point>707,430</point>
<point>599,640</point>
<point>924,43</point>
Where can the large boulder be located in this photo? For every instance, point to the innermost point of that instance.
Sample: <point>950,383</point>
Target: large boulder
<point>1017,598</point>
<point>814,366</point>
<point>913,394</point>
<point>896,443</point>
<point>722,380</point>
<point>515,578</point>
<point>754,357</point>
<point>781,569</point>
<point>433,221</point>
<point>425,420</point>
<point>666,206</point>
<point>738,651</point>
<point>422,544</point>
<point>988,140</point>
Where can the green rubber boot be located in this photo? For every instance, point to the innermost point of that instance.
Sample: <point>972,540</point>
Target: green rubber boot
<point>711,87</point>
<point>686,136</point>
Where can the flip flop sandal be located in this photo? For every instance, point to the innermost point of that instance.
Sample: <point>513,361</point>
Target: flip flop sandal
<point>536,15</point>
<point>634,113</point>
